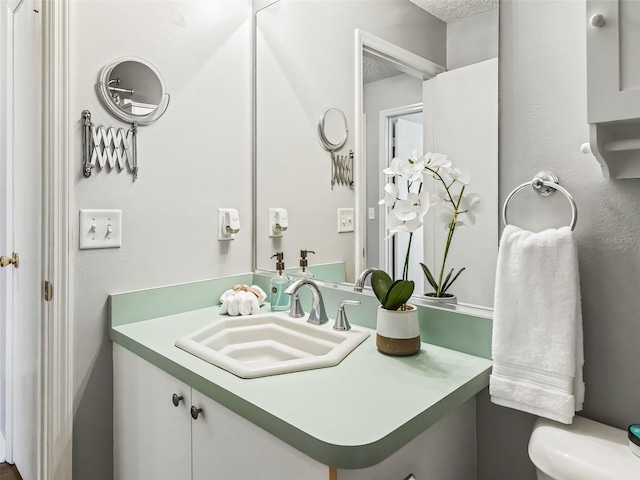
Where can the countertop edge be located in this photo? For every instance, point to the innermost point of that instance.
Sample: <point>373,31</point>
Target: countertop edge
<point>338,456</point>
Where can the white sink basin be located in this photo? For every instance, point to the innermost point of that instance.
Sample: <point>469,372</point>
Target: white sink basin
<point>270,343</point>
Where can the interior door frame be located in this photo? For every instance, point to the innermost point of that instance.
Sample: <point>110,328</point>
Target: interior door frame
<point>404,61</point>
<point>57,337</point>
<point>55,406</point>
<point>384,153</point>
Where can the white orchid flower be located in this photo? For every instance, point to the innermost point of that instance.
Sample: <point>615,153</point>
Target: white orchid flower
<point>398,166</point>
<point>414,207</point>
<point>395,225</point>
<point>445,216</point>
<point>390,195</point>
<point>437,160</point>
<point>416,170</point>
<point>405,169</point>
<point>467,208</point>
<point>393,168</point>
<point>459,174</point>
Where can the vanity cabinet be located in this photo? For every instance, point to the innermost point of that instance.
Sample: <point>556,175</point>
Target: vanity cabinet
<point>613,65</point>
<point>153,439</point>
<point>613,85</point>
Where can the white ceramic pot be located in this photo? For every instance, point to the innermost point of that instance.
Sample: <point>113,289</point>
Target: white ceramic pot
<point>448,298</point>
<point>398,331</point>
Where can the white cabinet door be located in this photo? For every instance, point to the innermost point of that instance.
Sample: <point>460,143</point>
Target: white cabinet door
<point>613,64</point>
<point>152,437</point>
<point>226,446</point>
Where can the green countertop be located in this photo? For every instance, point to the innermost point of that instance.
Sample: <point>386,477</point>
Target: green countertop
<point>353,415</point>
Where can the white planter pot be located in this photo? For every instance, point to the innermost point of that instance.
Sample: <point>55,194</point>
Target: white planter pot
<point>398,331</point>
<point>448,298</point>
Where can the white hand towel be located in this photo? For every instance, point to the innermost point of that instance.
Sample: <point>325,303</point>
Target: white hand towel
<point>537,328</point>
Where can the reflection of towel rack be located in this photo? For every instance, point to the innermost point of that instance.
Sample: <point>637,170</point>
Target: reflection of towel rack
<point>545,183</point>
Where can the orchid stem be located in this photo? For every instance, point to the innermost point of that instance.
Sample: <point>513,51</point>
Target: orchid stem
<point>405,270</point>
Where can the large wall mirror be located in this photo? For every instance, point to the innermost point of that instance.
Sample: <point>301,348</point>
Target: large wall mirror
<point>408,76</point>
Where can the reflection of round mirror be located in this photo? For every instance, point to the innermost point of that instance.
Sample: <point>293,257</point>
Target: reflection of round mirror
<point>133,90</point>
<point>333,129</point>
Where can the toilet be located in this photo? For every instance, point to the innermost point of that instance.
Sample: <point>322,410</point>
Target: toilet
<point>585,450</point>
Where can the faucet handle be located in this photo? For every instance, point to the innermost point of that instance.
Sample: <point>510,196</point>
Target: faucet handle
<point>296,311</point>
<point>341,318</point>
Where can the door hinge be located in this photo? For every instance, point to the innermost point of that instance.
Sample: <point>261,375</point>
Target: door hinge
<point>48,291</point>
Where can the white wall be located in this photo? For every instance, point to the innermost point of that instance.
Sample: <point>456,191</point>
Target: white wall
<point>472,39</point>
<point>542,125</point>
<point>195,159</point>
<point>306,63</point>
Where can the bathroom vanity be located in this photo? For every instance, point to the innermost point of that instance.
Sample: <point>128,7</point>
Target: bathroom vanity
<point>371,416</point>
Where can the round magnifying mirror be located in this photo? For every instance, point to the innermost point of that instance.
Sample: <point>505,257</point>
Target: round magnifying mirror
<point>333,129</point>
<point>133,90</point>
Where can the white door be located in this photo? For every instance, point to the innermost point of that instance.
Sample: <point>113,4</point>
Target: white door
<point>23,284</point>
<point>408,137</point>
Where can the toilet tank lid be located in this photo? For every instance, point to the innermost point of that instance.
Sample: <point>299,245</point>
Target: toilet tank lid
<point>634,434</point>
<point>586,449</point>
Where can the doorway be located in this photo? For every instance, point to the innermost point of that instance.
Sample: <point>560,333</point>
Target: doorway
<point>403,128</point>
<point>22,238</point>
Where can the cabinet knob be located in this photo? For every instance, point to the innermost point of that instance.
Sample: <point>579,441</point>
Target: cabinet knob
<point>597,20</point>
<point>176,399</point>
<point>194,412</point>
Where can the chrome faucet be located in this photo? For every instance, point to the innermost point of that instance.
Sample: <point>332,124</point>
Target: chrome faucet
<point>317,316</point>
<point>362,278</point>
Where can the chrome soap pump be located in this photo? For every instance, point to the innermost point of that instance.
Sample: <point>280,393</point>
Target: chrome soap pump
<point>304,272</point>
<point>277,298</point>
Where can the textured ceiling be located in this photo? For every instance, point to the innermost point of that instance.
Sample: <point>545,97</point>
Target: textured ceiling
<point>453,10</point>
<point>374,70</point>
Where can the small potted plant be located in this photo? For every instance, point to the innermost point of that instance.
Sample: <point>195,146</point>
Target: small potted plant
<point>398,328</point>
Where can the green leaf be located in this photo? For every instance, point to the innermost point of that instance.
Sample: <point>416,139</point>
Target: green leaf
<point>380,282</point>
<point>398,294</point>
<point>444,284</point>
<point>454,279</point>
<point>430,279</point>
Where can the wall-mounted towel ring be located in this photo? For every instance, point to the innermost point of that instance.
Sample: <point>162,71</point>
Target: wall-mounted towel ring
<point>545,183</point>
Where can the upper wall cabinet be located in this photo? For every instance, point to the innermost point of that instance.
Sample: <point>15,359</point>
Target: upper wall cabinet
<point>613,85</point>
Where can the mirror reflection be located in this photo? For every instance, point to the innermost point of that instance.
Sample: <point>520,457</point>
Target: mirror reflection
<point>392,108</point>
<point>133,90</point>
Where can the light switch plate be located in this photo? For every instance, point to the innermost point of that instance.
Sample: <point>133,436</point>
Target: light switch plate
<point>345,220</point>
<point>100,229</point>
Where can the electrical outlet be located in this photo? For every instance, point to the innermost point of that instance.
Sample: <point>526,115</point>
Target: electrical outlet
<point>345,220</point>
<point>100,229</point>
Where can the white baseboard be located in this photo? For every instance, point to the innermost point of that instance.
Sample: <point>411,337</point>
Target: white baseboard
<point>2,451</point>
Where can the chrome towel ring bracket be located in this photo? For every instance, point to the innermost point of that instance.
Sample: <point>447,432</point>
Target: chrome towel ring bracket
<point>545,183</point>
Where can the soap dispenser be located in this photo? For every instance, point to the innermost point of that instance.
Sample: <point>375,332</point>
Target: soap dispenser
<point>279,282</point>
<point>304,272</point>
